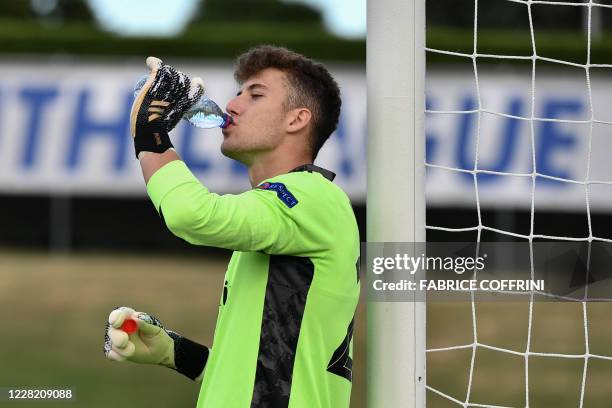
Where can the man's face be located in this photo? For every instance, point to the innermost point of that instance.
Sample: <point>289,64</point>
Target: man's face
<point>258,112</point>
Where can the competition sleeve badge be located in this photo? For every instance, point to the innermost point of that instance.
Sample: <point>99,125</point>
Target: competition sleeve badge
<point>281,192</point>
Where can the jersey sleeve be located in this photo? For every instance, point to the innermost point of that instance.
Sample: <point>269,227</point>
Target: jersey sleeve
<point>256,220</point>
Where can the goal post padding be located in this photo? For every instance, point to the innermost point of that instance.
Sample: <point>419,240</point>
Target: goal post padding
<point>396,191</point>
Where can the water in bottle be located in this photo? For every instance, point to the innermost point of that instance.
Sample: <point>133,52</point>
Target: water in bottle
<point>205,113</point>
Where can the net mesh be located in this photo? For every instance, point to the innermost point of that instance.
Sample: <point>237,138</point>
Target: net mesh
<point>476,344</point>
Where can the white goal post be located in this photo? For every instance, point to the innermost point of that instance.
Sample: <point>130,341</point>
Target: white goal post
<point>396,192</point>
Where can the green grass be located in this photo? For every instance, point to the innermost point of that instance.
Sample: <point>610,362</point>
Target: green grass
<point>53,310</point>
<point>498,377</point>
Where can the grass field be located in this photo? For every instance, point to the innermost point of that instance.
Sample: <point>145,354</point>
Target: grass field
<point>52,314</point>
<point>53,309</point>
<point>499,377</point>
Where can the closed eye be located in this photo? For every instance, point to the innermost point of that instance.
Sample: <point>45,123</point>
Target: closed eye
<point>256,95</point>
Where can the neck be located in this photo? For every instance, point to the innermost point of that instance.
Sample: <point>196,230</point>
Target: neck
<point>269,167</point>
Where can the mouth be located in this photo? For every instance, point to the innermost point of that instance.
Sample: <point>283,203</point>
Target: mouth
<point>227,129</point>
<point>229,121</point>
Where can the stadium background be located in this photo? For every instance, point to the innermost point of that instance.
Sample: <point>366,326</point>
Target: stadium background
<point>78,235</point>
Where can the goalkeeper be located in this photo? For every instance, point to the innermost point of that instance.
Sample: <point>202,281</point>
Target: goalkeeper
<point>284,331</point>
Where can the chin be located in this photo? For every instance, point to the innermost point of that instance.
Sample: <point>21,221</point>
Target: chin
<point>226,150</point>
<point>232,152</point>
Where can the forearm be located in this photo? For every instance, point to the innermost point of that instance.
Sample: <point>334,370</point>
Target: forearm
<point>151,162</point>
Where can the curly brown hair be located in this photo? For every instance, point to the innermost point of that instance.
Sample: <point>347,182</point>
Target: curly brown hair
<point>309,85</point>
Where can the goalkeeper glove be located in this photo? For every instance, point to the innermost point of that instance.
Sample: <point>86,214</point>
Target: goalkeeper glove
<point>161,103</point>
<point>152,343</point>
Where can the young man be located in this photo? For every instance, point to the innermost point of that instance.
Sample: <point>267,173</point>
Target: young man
<point>284,331</point>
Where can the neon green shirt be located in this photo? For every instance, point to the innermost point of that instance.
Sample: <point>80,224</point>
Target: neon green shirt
<point>284,332</point>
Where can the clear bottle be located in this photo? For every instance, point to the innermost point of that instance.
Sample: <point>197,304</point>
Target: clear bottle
<point>205,113</point>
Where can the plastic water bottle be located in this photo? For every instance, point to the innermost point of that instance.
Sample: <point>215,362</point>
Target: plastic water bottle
<point>205,113</point>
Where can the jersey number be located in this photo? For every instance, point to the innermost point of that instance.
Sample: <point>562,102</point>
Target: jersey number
<point>341,362</point>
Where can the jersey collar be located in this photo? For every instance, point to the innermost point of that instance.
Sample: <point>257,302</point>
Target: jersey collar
<point>330,175</point>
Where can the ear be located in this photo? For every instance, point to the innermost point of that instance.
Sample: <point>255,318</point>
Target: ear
<point>298,119</point>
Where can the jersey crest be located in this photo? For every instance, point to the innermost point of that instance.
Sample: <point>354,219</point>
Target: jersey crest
<point>281,192</point>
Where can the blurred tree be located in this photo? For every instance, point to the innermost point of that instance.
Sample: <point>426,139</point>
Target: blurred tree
<point>257,11</point>
<point>505,14</point>
<point>46,10</point>
<point>63,10</point>
<point>16,9</point>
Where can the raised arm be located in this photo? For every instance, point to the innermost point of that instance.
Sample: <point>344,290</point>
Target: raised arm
<point>260,219</point>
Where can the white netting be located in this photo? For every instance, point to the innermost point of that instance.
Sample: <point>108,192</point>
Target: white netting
<point>586,183</point>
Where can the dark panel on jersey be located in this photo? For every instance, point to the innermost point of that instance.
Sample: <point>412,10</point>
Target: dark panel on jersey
<point>341,362</point>
<point>289,280</point>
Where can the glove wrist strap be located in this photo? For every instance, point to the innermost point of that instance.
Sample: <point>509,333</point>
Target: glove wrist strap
<point>151,138</point>
<point>189,357</point>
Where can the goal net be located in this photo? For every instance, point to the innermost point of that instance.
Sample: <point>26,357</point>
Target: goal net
<point>519,150</point>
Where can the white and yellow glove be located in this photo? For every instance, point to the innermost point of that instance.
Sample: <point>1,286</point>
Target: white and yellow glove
<point>161,103</point>
<point>152,343</point>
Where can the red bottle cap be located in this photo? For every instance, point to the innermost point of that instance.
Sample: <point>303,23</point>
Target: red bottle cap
<point>129,326</point>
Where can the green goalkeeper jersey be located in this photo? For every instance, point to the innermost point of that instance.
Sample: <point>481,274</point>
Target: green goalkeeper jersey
<point>284,332</point>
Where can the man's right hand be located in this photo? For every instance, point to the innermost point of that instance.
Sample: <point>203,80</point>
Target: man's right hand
<point>151,343</point>
<point>165,96</point>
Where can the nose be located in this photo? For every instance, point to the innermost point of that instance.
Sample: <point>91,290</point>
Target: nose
<point>233,107</point>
